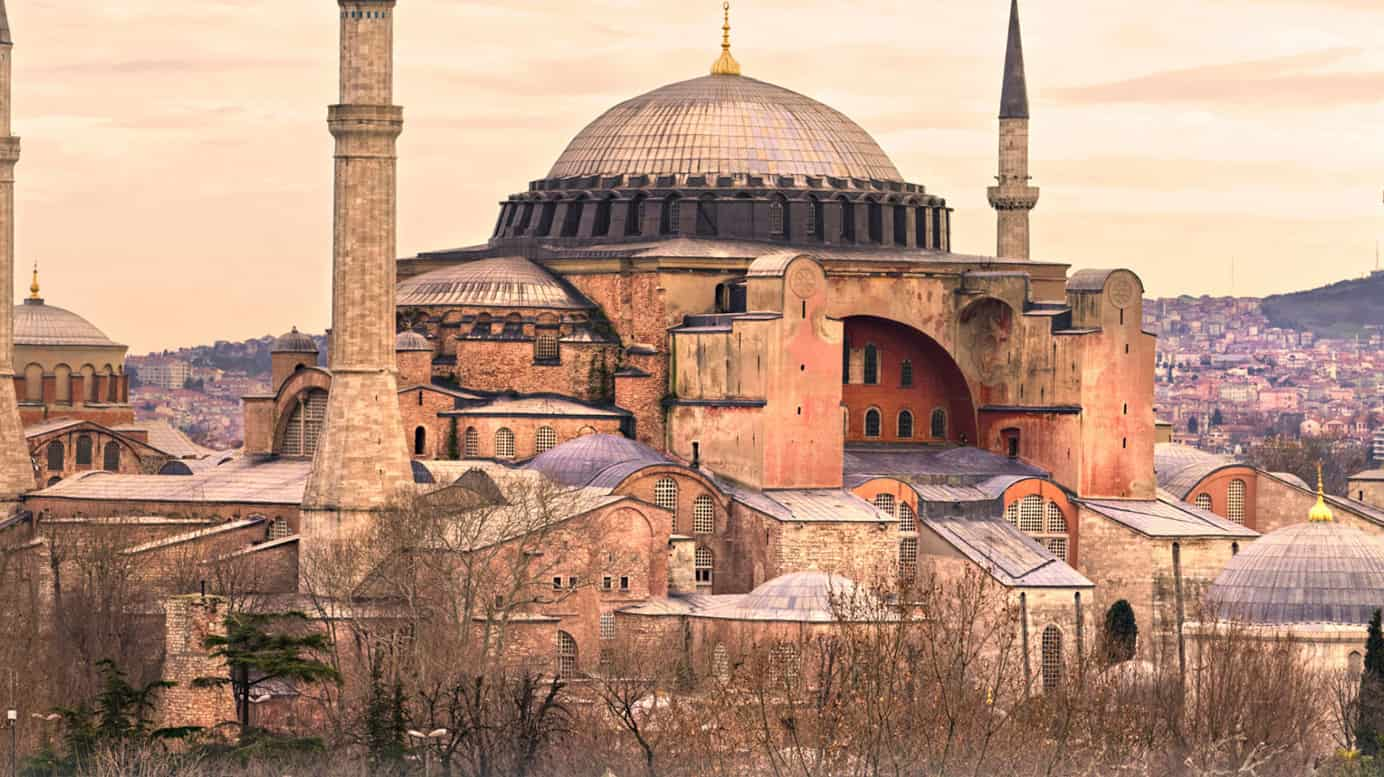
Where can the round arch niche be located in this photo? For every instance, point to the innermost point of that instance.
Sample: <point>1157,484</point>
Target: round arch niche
<point>931,381</point>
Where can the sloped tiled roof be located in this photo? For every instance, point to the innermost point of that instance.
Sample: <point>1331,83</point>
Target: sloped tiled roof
<point>1169,517</point>
<point>276,481</point>
<point>169,439</point>
<point>862,463</point>
<point>1012,557</point>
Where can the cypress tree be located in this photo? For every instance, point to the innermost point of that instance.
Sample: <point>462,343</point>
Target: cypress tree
<point>1371,707</point>
<point>1121,632</point>
<point>453,444</point>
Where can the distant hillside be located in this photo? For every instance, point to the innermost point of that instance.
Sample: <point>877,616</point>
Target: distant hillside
<point>1339,310</point>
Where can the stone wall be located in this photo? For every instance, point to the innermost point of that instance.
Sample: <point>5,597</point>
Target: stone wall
<point>188,621</point>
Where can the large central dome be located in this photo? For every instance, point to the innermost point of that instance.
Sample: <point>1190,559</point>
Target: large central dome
<point>724,125</point>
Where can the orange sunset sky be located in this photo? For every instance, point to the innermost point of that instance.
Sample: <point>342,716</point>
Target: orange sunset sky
<point>175,185</point>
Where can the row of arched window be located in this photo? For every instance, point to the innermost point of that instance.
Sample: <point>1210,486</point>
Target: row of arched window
<point>56,455</point>
<point>544,439</point>
<point>870,367</point>
<point>703,507</point>
<point>874,421</point>
<point>63,375</point>
<point>539,218</point>
<point>1042,520</point>
<point>1235,494</point>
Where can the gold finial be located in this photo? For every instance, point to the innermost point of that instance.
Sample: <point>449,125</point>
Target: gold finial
<point>726,64</point>
<point>1320,512</point>
<point>33,287</point>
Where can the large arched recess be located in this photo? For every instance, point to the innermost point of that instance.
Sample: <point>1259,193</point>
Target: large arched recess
<point>937,383</point>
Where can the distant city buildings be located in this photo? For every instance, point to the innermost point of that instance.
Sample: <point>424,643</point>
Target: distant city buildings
<point>162,373</point>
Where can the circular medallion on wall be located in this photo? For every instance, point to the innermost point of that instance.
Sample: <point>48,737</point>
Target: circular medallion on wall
<point>803,281</point>
<point>1122,291</point>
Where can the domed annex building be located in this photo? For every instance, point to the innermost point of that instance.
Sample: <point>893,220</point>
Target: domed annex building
<point>729,327</point>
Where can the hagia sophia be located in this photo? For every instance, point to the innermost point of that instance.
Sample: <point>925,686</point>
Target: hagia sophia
<point>728,323</point>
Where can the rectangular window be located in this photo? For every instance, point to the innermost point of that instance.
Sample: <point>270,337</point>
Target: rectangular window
<point>606,583</point>
<point>572,583</point>
<point>624,583</point>
<point>557,584</point>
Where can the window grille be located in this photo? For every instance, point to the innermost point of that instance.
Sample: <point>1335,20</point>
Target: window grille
<point>112,457</point>
<point>905,425</point>
<point>666,496</point>
<point>1204,501</point>
<point>1052,658</point>
<point>776,218</point>
<point>278,529</point>
<point>1057,522</point>
<point>885,503</point>
<point>607,626</point>
<point>908,557</point>
<point>545,439</point>
<point>783,659</point>
<point>906,373</point>
<point>939,424</point>
<point>872,423</point>
<point>1011,513</point>
<point>545,347</point>
<point>1235,501</point>
<point>704,563</point>
<point>1057,546</point>
<point>1031,514</point>
<point>871,365</point>
<point>720,663</point>
<point>504,444</point>
<point>471,443</point>
<point>908,520</point>
<point>566,655</point>
<point>703,515</point>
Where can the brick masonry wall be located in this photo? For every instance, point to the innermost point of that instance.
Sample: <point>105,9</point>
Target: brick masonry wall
<point>585,370</point>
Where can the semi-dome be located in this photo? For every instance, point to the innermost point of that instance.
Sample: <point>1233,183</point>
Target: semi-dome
<point>597,460</point>
<point>509,281</point>
<point>1317,572</point>
<point>724,125</point>
<point>294,342</point>
<point>37,323</point>
<point>411,341</point>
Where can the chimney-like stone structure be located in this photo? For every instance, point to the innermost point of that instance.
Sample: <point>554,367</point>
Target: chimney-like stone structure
<point>1013,197</point>
<point>362,461</point>
<point>16,471</point>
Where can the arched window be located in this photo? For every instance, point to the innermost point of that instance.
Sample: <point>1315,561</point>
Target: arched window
<point>670,223</point>
<point>908,520</point>
<point>1235,501</point>
<point>720,663</point>
<point>900,225</point>
<point>572,221</point>
<point>778,226</point>
<point>88,383</point>
<point>814,218</point>
<point>111,457</point>
<point>1031,514</point>
<point>908,558</point>
<point>1355,663</point>
<point>876,214</point>
<point>544,439</point>
<point>33,383</point>
<point>566,655</point>
<point>906,373</point>
<point>705,561</point>
<point>706,215</point>
<point>601,226</point>
<point>920,227</point>
<point>703,515</point>
<point>884,503</point>
<point>1052,658</point>
<point>57,456</point>
<point>905,425</point>
<point>545,219</point>
<point>871,423</point>
<point>471,443</point>
<point>666,496</point>
<point>504,443</point>
<point>634,220</point>
<point>939,424</point>
<point>62,380</point>
<point>420,441</point>
<point>545,348</point>
<point>84,451</point>
<point>514,326</point>
<point>482,326</point>
<point>304,425</point>
<point>847,219</point>
<point>1203,501</point>
<point>607,626</point>
<point>871,365</point>
<point>278,529</point>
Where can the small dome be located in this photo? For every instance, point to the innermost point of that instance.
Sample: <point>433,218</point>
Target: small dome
<point>294,342</point>
<point>600,460</point>
<point>1323,572</point>
<point>36,323</point>
<point>505,282</point>
<point>724,125</point>
<point>411,341</point>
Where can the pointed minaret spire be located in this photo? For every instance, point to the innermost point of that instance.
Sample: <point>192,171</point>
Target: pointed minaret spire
<point>4,25</point>
<point>1014,97</point>
<point>1013,197</point>
<point>16,470</point>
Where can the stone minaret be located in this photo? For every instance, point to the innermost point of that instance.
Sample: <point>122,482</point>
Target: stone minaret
<point>362,459</point>
<point>16,472</point>
<point>1013,198</point>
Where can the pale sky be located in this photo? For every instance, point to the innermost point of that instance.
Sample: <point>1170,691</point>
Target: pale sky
<point>175,184</point>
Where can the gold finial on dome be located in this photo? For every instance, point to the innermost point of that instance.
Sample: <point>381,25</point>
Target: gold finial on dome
<point>1320,512</point>
<point>33,287</point>
<point>726,64</point>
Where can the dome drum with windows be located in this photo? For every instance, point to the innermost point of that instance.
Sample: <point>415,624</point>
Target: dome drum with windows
<point>725,156</point>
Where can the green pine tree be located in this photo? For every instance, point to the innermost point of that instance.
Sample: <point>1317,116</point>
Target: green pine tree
<point>1370,718</point>
<point>1121,632</point>
<point>453,444</point>
<point>255,656</point>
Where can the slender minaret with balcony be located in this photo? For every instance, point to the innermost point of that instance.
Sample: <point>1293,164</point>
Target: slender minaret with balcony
<point>1013,197</point>
<point>16,471</point>
<point>361,463</point>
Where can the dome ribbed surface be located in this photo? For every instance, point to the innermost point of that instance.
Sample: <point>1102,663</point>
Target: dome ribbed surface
<point>36,323</point>
<point>804,597</point>
<point>1305,573</point>
<point>724,125</point>
<point>294,342</point>
<point>509,281</point>
<point>599,460</point>
<point>411,341</point>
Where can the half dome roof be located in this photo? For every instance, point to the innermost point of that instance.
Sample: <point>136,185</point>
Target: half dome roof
<point>509,281</point>
<point>724,125</point>
<point>37,323</point>
<point>1325,572</point>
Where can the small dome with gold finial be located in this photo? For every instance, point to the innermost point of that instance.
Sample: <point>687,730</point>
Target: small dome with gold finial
<point>725,65</point>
